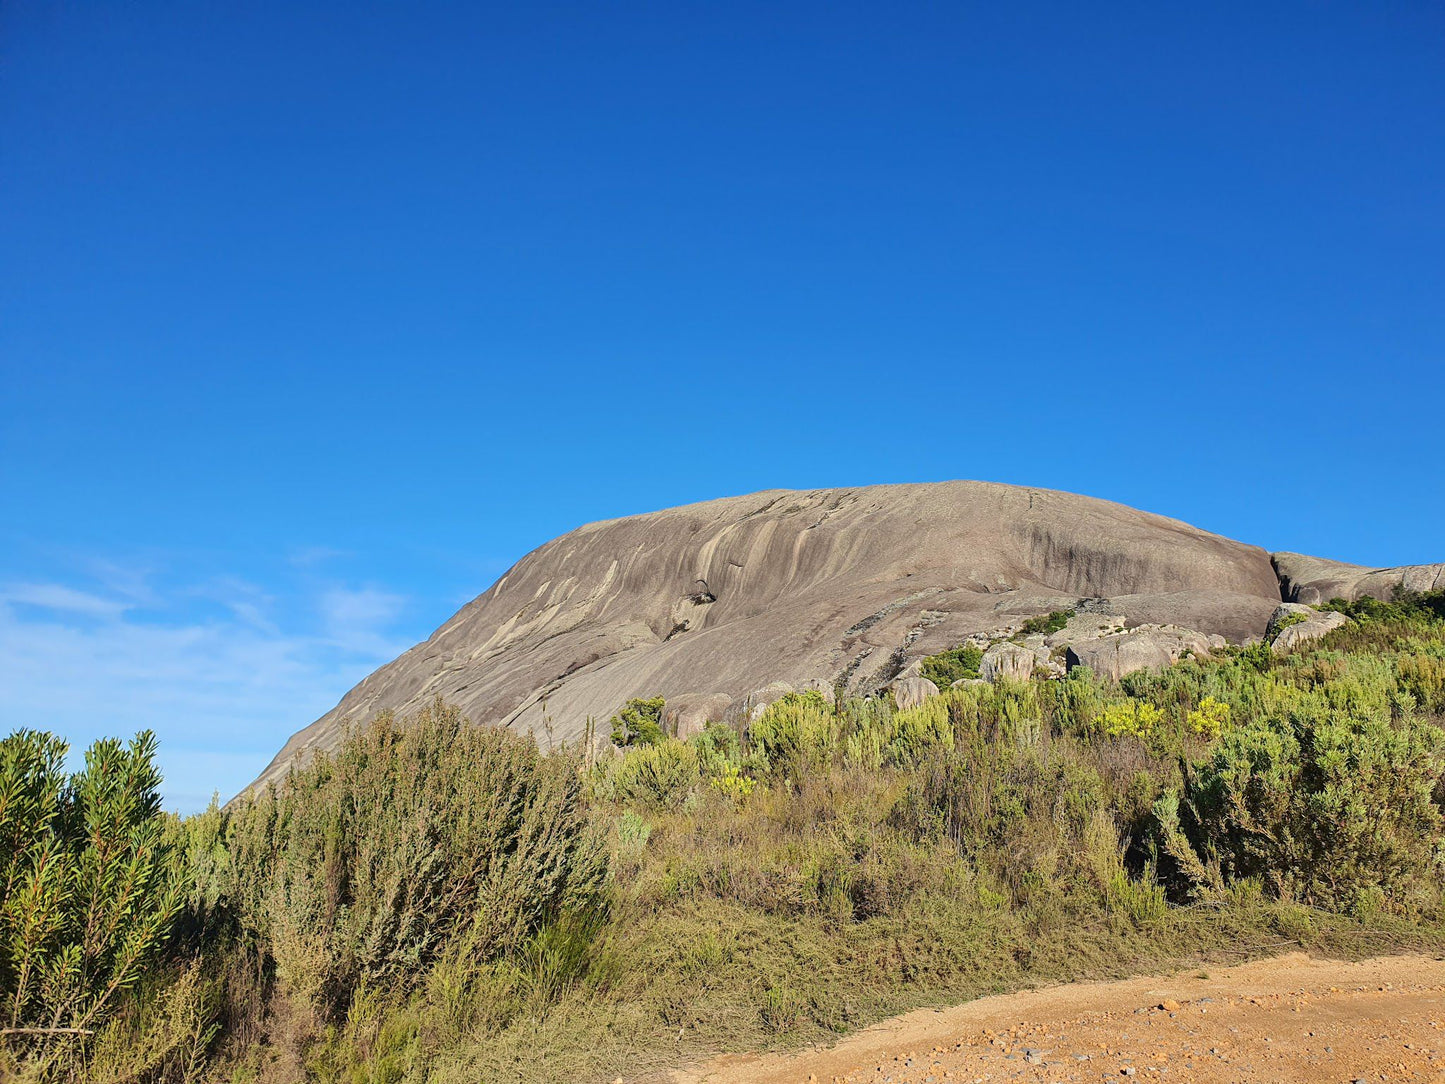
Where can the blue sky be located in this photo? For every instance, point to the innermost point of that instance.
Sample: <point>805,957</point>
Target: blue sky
<point>315,317</point>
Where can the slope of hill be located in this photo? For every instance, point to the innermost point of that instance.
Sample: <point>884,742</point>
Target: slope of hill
<point>710,604</point>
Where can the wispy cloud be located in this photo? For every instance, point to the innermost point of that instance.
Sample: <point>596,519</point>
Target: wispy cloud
<point>354,620</point>
<point>210,666</point>
<point>58,597</point>
<point>248,603</point>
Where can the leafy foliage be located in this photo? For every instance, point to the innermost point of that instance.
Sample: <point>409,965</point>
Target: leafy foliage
<point>1403,606</point>
<point>796,733</point>
<point>369,863</point>
<point>1047,623</point>
<point>1333,807</point>
<point>1210,718</point>
<point>638,723</point>
<point>659,775</point>
<point>87,892</point>
<point>958,664</point>
<point>1132,717</point>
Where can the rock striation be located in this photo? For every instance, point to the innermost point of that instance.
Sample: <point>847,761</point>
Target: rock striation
<point>725,605</point>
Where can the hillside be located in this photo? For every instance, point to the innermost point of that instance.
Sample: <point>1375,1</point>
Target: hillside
<point>721,606</point>
<point>438,902</point>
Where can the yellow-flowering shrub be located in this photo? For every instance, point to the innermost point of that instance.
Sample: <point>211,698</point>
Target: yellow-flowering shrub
<point>1210,718</point>
<point>1132,717</point>
<point>731,781</point>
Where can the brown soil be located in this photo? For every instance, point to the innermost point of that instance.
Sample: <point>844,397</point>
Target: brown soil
<point>1288,1019</point>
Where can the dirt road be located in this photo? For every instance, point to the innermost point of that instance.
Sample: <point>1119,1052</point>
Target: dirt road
<point>1287,1019</point>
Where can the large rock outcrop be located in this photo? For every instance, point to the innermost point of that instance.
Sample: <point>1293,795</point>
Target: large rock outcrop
<point>711,605</point>
<point>1313,580</point>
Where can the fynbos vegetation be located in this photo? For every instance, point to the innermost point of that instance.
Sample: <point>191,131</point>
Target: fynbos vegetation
<point>436,902</point>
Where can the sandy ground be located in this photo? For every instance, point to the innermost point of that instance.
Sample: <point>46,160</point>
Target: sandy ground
<point>1287,1019</point>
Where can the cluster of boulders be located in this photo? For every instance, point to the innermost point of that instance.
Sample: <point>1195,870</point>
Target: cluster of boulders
<point>1107,646</point>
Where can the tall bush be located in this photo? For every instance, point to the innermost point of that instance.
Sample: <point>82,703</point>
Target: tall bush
<point>366,864</point>
<point>1332,807</point>
<point>88,892</point>
<point>796,733</point>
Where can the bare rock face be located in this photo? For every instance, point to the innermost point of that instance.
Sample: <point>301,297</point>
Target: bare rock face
<point>718,605</point>
<point>1313,580</point>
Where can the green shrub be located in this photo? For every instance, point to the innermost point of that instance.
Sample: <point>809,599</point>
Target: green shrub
<point>798,733</point>
<point>638,723</point>
<point>1404,606</point>
<point>362,867</point>
<point>658,776</point>
<point>89,890</point>
<point>957,664</point>
<point>1046,624</point>
<point>1257,655</point>
<point>1326,806</point>
<point>913,734</point>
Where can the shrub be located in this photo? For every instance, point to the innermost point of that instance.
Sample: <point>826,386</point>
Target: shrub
<point>366,864</point>
<point>958,664</point>
<point>1403,606</point>
<point>638,723</point>
<point>796,733</point>
<point>1257,655</point>
<point>1209,718</point>
<point>88,889</point>
<point>733,783</point>
<point>718,746</point>
<point>1423,677</point>
<point>916,732</point>
<point>1047,623</point>
<point>660,775</point>
<point>1131,717</point>
<point>1326,806</point>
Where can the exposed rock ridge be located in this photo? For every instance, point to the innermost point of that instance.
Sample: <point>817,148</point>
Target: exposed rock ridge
<point>719,605</point>
<point>1313,580</point>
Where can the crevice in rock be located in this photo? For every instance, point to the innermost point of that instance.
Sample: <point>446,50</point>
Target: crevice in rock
<point>1285,590</point>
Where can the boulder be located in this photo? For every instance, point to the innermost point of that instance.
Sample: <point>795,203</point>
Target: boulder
<point>1149,647</point>
<point>1007,662</point>
<point>909,692</point>
<point>688,714</point>
<point>758,700</point>
<point>1294,625</point>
